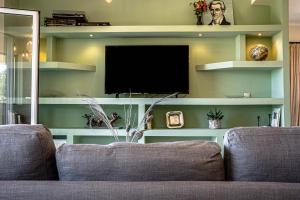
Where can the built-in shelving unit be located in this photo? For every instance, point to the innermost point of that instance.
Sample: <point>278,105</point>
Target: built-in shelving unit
<point>189,31</point>
<point>149,101</point>
<point>215,134</point>
<point>261,2</point>
<point>241,65</point>
<point>228,70</point>
<point>172,101</point>
<point>58,66</point>
<point>64,66</point>
<point>159,31</point>
<point>25,100</point>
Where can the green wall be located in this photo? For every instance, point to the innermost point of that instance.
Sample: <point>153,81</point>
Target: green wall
<point>147,12</point>
<point>12,3</point>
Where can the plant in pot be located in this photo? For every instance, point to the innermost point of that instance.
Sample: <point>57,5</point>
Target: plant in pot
<point>214,119</point>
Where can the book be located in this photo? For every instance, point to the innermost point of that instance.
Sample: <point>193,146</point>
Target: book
<point>59,22</point>
<point>68,12</point>
<point>79,16</point>
<point>93,24</point>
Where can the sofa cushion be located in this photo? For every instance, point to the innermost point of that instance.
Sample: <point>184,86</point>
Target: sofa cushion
<point>174,161</point>
<point>262,154</point>
<point>27,152</point>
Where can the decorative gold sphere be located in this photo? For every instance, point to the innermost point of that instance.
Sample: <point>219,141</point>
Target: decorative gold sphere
<point>259,52</point>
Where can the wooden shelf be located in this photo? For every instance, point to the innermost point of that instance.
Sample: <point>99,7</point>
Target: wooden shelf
<point>171,101</point>
<point>149,101</point>
<point>159,31</point>
<point>19,101</point>
<point>261,2</point>
<point>185,132</point>
<point>153,132</point>
<point>148,31</point>
<point>241,65</point>
<point>215,135</point>
<point>85,132</point>
<point>58,66</point>
<point>64,66</point>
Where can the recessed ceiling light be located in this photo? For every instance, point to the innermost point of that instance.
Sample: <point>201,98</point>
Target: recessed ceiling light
<point>91,35</point>
<point>200,34</point>
<point>108,1</point>
<point>259,34</point>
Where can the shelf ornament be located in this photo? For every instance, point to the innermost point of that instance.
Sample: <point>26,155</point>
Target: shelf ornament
<point>200,7</point>
<point>259,53</point>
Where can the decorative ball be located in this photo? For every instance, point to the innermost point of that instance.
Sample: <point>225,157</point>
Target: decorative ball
<point>259,52</point>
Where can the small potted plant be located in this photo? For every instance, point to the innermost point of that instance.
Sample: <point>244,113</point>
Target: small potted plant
<point>214,119</point>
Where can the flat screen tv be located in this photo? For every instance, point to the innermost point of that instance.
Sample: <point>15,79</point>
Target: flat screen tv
<point>154,69</point>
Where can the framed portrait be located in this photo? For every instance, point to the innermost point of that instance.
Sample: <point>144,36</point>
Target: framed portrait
<point>220,12</point>
<point>275,117</point>
<point>174,119</point>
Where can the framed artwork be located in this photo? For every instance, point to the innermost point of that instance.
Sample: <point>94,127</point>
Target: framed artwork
<point>220,12</point>
<point>174,119</point>
<point>275,117</point>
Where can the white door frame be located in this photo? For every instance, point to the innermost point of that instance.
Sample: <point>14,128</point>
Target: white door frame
<point>35,55</point>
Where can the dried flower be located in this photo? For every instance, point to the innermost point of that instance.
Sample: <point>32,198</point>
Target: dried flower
<point>200,7</point>
<point>135,133</point>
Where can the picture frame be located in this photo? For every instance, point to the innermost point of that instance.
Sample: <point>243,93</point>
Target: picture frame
<point>174,119</point>
<point>211,17</point>
<point>276,117</point>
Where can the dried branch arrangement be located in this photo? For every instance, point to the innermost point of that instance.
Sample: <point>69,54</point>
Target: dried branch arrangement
<point>132,134</point>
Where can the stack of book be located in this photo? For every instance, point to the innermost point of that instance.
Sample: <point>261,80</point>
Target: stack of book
<point>70,18</point>
<point>65,18</point>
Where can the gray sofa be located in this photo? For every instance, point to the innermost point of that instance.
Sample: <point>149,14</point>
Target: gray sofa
<point>259,163</point>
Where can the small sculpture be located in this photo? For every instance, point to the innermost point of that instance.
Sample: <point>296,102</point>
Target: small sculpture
<point>259,52</point>
<point>114,118</point>
<point>93,121</point>
<point>149,120</point>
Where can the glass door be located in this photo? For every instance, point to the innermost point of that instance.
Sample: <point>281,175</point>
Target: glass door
<point>19,41</point>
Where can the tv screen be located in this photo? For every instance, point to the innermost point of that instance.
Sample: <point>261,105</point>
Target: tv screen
<point>155,69</point>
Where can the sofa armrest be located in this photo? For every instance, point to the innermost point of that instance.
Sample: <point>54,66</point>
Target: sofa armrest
<point>262,154</point>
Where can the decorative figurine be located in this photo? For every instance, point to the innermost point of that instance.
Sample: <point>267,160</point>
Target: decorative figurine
<point>114,118</point>
<point>93,121</point>
<point>259,52</point>
<point>149,120</point>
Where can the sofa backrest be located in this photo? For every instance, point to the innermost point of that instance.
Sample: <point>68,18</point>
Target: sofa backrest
<point>27,152</point>
<point>174,161</point>
<point>262,154</point>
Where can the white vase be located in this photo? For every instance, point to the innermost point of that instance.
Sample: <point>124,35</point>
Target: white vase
<point>214,124</point>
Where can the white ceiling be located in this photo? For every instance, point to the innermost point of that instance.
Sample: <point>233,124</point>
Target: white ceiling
<point>294,11</point>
